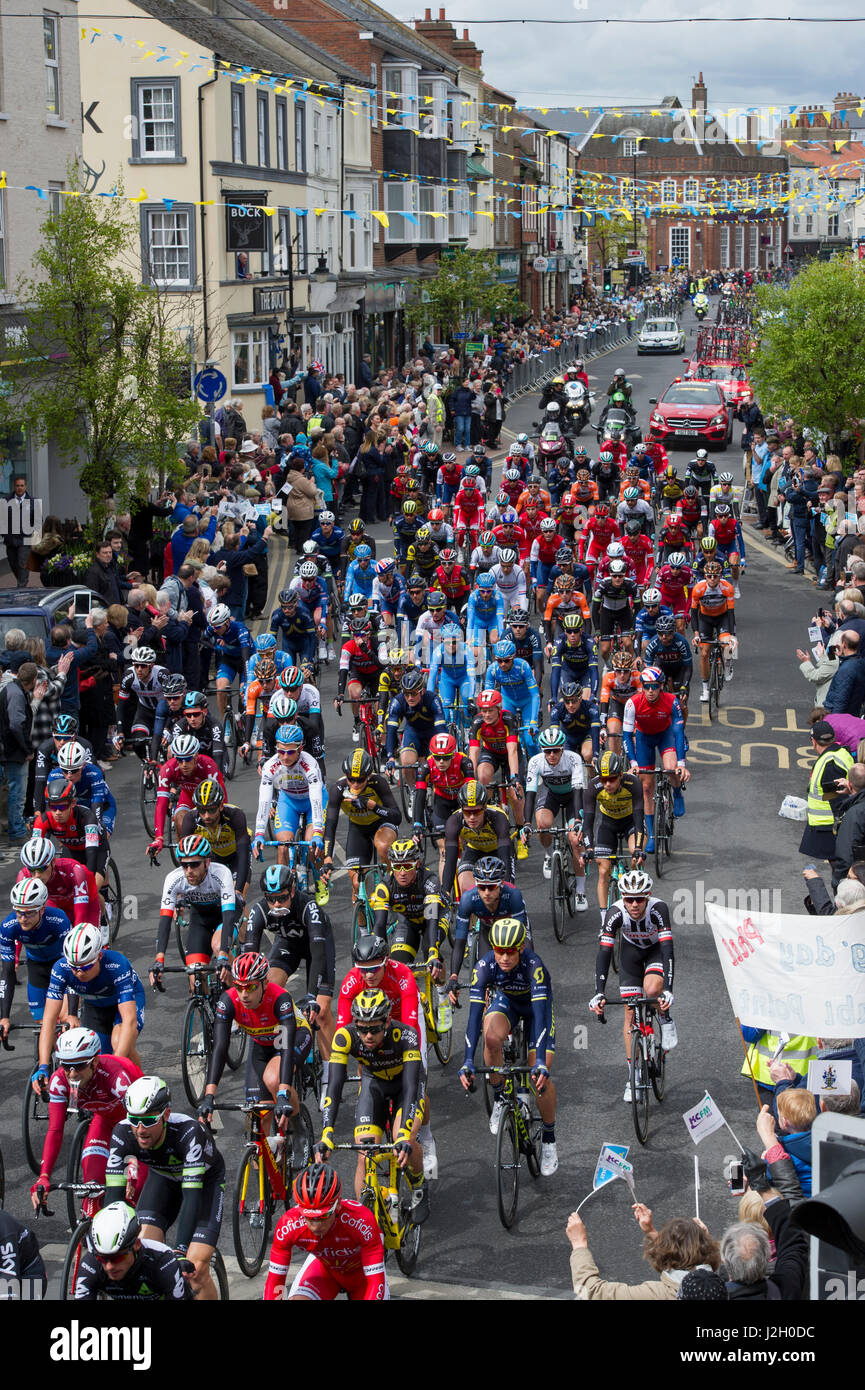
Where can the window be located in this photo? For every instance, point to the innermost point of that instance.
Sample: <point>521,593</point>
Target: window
<point>796,224</point>
<point>281,133</point>
<point>754,247</point>
<point>809,223</point>
<point>401,206</point>
<point>832,228</point>
<point>690,191</point>
<point>400,97</point>
<point>739,261</point>
<point>680,245</point>
<point>262,109</point>
<point>156,128</point>
<point>316,142</point>
<point>626,190</point>
<point>630,147</point>
<point>432,108</point>
<point>50,49</point>
<point>458,213</point>
<point>302,252</point>
<point>358,231</point>
<point>329,136</point>
<point>373,95</point>
<point>282,247</point>
<point>249,357</point>
<point>167,251</point>
<point>55,201</point>
<point>238,126</point>
<point>668,191</point>
<point>725,246</point>
<point>430,204</point>
<point>2,240</point>
<point>300,137</point>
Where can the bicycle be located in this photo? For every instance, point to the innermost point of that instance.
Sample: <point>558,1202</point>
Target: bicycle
<point>519,1135</point>
<point>264,1177</point>
<point>458,718</point>
<point>363,917</point>
<point>196,1034</point>
<point>148,783</point>
<point>664,819</point>
<point>389,1197</point>
<point>563,880</point>
<point>716,674</point>
<point>648,1059</point>
<point>34,1109</point>
<point>112,900</point>
<point>439,1021</point>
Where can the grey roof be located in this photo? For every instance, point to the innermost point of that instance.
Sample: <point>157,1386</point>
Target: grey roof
<point>575,124</point>
<point>393,32</point>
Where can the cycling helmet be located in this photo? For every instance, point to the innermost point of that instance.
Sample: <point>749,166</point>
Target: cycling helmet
<point>565,583</point>
<point>569,690</point>
<point>193,847</point>
<point>712,570</point>
<point>289,597</point>
<point>430,447</point>
<point>622,661</point>
<point>615,550</point>
<point>448,458</point>
<point>573,622</point>
<point>489,869</point>
<point>146,656</point>
<point>185,746</point>
<point>358,766</point>
<point>277,878</point>
<point>412,681</point>
<point>726,478</point>
<point>267,641</point>
<point>708,545</point>
<point>435,599</point>
<point>363,552</point>
<point>509,518</point>
<point>37,853</point>
<point>250,969</point>
<point>208,795</point>
<point>310,548</point>
<point>502,500</point>
<point>64,726</point>
<point>517,617</point>
<point>410,508</point>
<point>220,616</point>
<point>676,561</point>
<point>77,1045</point>
<point>424,535</point>
<point>504,650</point>
<point>291,678</point>
<point>309,569</point>
<point>618,567</point>
<point>564,555</point>
<point>282,707</point>
<point>29,894</point>
<point>316,1190</point>
<point>59,792</point>
<point>507,934</point>
<point>195,699</point>
<point>360,626</point>
<point>149,1095</point>
<point>651,597</point>
<point>631,494</point>
<point>355,527</point>
<point>722,509</point>
<point>548,526</point>
<point>639,449</point>
<point>610,765</point>
<point>452,632</point>
<point>436,516</point>
<point>82,946</point>
<point>486,540</point>
<point>358,601</point>
<point>397,656</point>
<point>553,737</point>
<point>288,734</point>
<point>404,854</point>
<point>384,568</point>
<point>326,519</point>
<point>369,950</point>
<point>415,581</point>
<point>442,746</point>
<point>479,451</point>
<point>651,675</point>
<point>489,699</point>
<point>690,492</point>
<point>473,795</point>
<point>508,556</point>
<point>664,623</point>
<point>632,527</point>
<point>702,454</point>
<point>265,669</point>
<point>581,452</point>
<point>523,439</point>
<point>371,1006</point>
<point>486,581</point>
<point>512,476</point>
<point>605,456</point>
<point>71,757</point>
<point>636,882</point>
<point>175,685</point>
<point>115,1229</point>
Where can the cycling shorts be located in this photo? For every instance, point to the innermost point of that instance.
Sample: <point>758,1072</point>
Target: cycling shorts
<point>513,1009</point>
<point>317,1281</point>
<point>320,961</point>
<point>103,1019</point>
<point>611,619</point>
<point>38,977</point>
<point>542,576</point>
<point>290,809</point>
<point>162,1198</point>
<point>548,800</point>
<point>360,843</point>
<point>377,1102</point>
<point>414,737</point>
<point>449,492</point>
<point>646,746</point>
<point>710,625</point>
<point>608,834</point>
<point>258,1057</point>
<point>226,671</point>
<point>634,963</point>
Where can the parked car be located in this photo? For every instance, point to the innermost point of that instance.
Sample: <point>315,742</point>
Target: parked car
<point>692,411</point>
<point>36,611</point>
<point>661,335</point>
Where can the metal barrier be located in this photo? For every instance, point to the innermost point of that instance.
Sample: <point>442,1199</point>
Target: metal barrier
<point>535,371</point>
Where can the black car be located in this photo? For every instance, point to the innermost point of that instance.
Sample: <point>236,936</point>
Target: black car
<point>36,611</point>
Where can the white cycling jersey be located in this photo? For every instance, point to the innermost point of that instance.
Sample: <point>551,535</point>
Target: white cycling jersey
<point>301,780</point>
<point>512,587</point>
<point>215,890</point>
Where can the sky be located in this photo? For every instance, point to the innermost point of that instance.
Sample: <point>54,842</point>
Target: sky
<point>753,64</point>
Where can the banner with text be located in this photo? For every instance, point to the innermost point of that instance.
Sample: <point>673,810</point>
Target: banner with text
<point>795,974</point>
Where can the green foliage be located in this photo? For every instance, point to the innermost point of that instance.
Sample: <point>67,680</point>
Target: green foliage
<point>465,291</point>
<point>807,363</point>
<point>103,361</point>
<point>611,238</point>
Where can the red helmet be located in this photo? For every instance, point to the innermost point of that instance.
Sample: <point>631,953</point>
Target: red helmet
<point>436,516</point>
<point>442,746</point>
<point>489,699</point>
<point>250,968</point>
<point>602,509</point>
<point>447,556</point>
<point>317,1189</point>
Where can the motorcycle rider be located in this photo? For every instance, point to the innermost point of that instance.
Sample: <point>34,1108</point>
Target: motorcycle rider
<point>554,391</point>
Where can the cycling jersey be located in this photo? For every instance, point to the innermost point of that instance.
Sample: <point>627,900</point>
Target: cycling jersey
<point>615,598</point>
<point>624,804</point>
<point>452,583</point>
<point>228,839</point>
<point>483,559</point>
<point>359,579</point>
<point>649,722</point>
<point>92,790</point>
<point>273,1025</point>
<point>579,724</point>
<point>398,983</point>
<point>645,624</point>
<point>43,945</point>
<point>80,834</point>
<point>186,1156</point>
<point>139,697</point>
<point>385,599</point>
<point>214,896</point>
<point>210,734</point>
<point>453,671</point>
<point>428,634</point>
<point>616,688</point>
<point>115,983</point>
<point>383,812</point>
<point>561,782</point>
<point>301,932</point>
<point>518,687</point>
<point>421,721</point>
<point>102,1096</point>
<point>491,836</point>
<point>71,888</point>
<point>512,586</point>
<point>397,1058</point>
<point>349,1258</point>
<point>419,905</point>
<point>511,903</point>
<point>713,601</point>
<point>300,782</point>
<point>20,1259</point>
<point>155,1277</point>
<point>527,987</point>
<point>675,658</point>
<point>496,735</point>
<point>486,612</point>
<point>574,661</point>
<point>358,663</point>
<point>444,781</point>
<point>184,779</point>
<point>653,929</point>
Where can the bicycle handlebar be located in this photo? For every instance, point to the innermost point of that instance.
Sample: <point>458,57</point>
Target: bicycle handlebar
<point>198,969</point>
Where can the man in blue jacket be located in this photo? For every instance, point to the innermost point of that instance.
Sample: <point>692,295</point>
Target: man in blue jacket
<point>239,550</point>
<point>61,645</point>
<point>461,405</point>
<point>846,694</point>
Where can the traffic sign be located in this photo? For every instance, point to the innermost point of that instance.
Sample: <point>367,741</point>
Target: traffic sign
<point>788,250</point>
<point>210,385</point>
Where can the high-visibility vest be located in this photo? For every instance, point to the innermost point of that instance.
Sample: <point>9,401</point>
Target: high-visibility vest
<point>435,408</point>
<point>797,1053</point>
<point>314,422</point>
<point>820,813</point>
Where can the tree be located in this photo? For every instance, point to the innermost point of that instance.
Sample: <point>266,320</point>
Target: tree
<point>807,363</point>
<point>611,238</point>
<point>104,364</point>
<point>465,291</point>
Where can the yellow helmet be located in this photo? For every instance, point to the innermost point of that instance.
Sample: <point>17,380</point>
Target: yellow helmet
<point>404,854</point>
<point>410,508</point>
<point>370,1006</point>
<point>507,934</point>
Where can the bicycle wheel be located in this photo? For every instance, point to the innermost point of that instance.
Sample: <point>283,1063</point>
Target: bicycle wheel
<point>507,1168</point>
<point>558,896</point>
<point>195,1050</point>
<point>236,1048</point>
<point>219,1275</point>
<point>640,1086</point>
<point>361,919</point>
<point>73,1169</point>
<point>409,1234</point>
<point>34,1113</point>
<point>302,1144</point>
<point>659,1061</point>
<point>714,692</point>
<point>147,799</point>
<point>535,1126</point>
<point>250,1215</point>
<point>180,925</point>
<point>443,1042</point>
<point>406,792</point>
<point>113,900</point>
<point>75,1249</point>
<point>612,897</point>
<point>229,734</point>
<point>669,820</point>
<point>660,829</point>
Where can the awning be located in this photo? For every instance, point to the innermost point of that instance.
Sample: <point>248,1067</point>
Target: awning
<point>476,169</point>
<point>345,301</point>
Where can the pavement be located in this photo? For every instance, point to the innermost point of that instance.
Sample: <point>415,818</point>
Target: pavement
<point>731,842</point>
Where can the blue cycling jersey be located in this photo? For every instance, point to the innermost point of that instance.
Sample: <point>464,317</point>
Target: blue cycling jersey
<point>280,659</point>
<point>644,626</point>
<point>44,942</point>
<point>427,718</point>
<point>114,983</point>
<point>510,904</point>
<point>527,986</point>
<point>517,684</point>
<point>232,647</point>
<point>486,610</point>
<point>93,789</point>
<point>329,546</point>
<point>458,665</point>
<point>357,580</point>
<point>574,663</point>
<point>675,660</point>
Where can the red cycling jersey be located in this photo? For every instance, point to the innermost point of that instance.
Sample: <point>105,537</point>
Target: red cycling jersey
<point>349,1257</point>
<point>599,531</point>
<point>185,779</point>
<point>652,718</point>
<point>453,585</point>
<point>513,489</point>
<point>264,1023</point>
<point>79,833</point>
<point>689,512</point>
<point>724,529</point>
<point>72,888</point>
<point>639,552</point>
<point>515,539</point>
<point>470,501</point>
<point>548,547</point>
<point>658,455</point>
<point>531,524</point>
<point>445,781</point>
<point>102,1096</point>
<point>398,983</point>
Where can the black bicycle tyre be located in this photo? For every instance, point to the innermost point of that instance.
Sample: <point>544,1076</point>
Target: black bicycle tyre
<point>71,1262</point>
<point>612,897</point>
<point>714,693</point>
<point>180,925</point>
<point>670,821</point>
<point>361,920</point>
<point>639,1088</point>
<point>507,1168</point>
<point>659,1067</point>
<point>114,898</point>
<point>410,1234</point>
<point>195,1022</point>
<point>406,794</point>
<point>660,832</point>
<point>30,1115</point>
<point>237,1041</point>
<point>73,1169</point>
<point>444,1042</point>
<point>535,1126</point>
<point>250,1265</point>
<point>229,735</point>
<point>219,1275</point>
<point>558,896</point>
<point>302,1147</point>
<point>147,783</point>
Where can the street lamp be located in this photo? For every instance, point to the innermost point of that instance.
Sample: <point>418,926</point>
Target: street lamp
<point>321,274</point>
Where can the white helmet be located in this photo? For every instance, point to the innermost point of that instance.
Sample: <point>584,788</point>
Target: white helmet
<point>651,597</point>
<point>219,615</point>
<point>308,570</point>
<point>38,853</point>
<point>326,518</point>
<point>77,1045</point>
<point>553,409</point>
<point>636,882</point>
<point>702,454</point>
<point>29,893</point>
<point>280,705</point>
<point>149,1095</point>
<point>143,656</point>
<point>615,550</point>
<point>114,1229</point>
<point>185,746</point>
<point>71,756</point>
<point>82,945</point>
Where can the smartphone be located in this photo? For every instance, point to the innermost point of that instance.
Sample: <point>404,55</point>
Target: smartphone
<point>815,634</point>
<point>736,1177</point>
<point>82,605</point>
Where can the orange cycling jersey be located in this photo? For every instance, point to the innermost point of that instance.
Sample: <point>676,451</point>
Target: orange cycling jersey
<point>540,499</point>
<point>644,487</point>
<point>617,686</point>
<point>254,693</point>
<point>713,602</point>
<point>577,599</point>
<point>581,494</point>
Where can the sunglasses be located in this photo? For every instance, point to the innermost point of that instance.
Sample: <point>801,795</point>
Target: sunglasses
<point>76,1066</point>
<point>506,950</point>
<point>190,863</point>
<point>370,1029</point>
<point>148,1121</point>
<point>371,969</point>
<point>112,1259</point>
<point>184,762</point>
<point>83,969</point>
<point>278,897</point>
<point>317,1215</point>
<point>641,899</point>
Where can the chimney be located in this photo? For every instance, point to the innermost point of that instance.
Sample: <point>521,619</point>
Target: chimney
<point>441,16</point>
<point>465,35</point>
<point>699,95</point>
<point>752,129</point>
<point>428,16</point>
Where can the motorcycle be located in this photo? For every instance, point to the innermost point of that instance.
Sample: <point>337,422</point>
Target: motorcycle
<point>613,415</point>
<point>578,407</point>
<point>551,447</point>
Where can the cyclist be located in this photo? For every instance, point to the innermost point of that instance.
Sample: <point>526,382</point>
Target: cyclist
<point>185,770</point>
<point>472,832</point>
<point>451,579</point>
<point>71,887</point>
<point>73,765</point>
<point>356,536</point>
<point>670,652</point>
<point>311,590</point>
<point>97,1082</point>
<point>360,575</point>
<point>485,555</point>
<point>294,683</point>
<point>405,528</point>
<point>74,826</point>
<point>169,713</point>
<point>423,556</point>
<point>490,898</point>
<point>554,784</point>
<point>646,961</point>
<point>448,479</point>
<point>140,693</point>
<point>296,778</point>
<point>612,814</point>
<point>702,474</point>
<point>567,597</point>
<point>119,1264</point>
<point>301,932</point>
<point>618,684</point>
<point>185,1176</point>
<point>198,721</point>
<point>689,510</point>
<point>653,724</point>
<point>519,689</point>
<point>485,615</point>
<point>415,900</point>
<point>452,670</point>
<point>713,616</point>
<point>574,658</point>
<point>389,686</point>
<point>576,714</point>
<point>373,816</point>
<point>64,729</point>
<point>612,607</point>
<point>674,579</point>
<point>421,711</point>
<point>207,895</point>
<point>468,511</point>
<point>411,608</point>
<point>41,929</point>
<point>343,1238</point>
<point>391,1090</point>
<point>510,580</point>
<point>109,992</point>
<point>652,609</point>
<point>224,828</point>
<point>427,637</point>
<point>445,770</point>
<point>542,558</point>
<point>297,628</point>
<point>232,646</point>
<point>726,530</point>
<point>360,670</point>
<point>675,535</point>
<point>527,643</point>
<point>510,983</point>
<point>494,747</point>
<point>387,590</point>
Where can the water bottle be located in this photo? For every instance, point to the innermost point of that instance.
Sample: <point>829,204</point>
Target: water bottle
<point>391,1201</point>
<point>445,1012</point>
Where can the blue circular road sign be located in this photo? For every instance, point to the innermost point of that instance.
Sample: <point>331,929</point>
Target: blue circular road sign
<point>210,385</point>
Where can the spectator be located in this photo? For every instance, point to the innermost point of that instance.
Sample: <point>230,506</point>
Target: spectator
<point>96,679</point>
<point>17,700</point>
<point>681,1245</point>
<point>849,731</point>
<point>370,470</point>
<point>233,423</point>
<point>102,574</point>
<point>312,387</point>
<point>270,427</point>
<point>20,524</point>
<point>822,668</point>
<point>185,536</point>
<point>746,1255</point>
<point>174,632</point>
<point>61,646</point>
<point>832,765</point>
<point>15,653</point>
<point>237,552</point>
<point>325,471</point>
<point>461,408</point>
<point>846,693</point>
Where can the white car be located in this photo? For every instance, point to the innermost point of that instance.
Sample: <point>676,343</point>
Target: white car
<point>661,335</point>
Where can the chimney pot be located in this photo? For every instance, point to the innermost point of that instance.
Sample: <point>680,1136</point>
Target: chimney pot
<point>428,16</point>
<point>441,15</point>
<point>465,34</point>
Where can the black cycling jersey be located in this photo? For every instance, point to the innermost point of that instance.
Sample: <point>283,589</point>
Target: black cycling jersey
<point>155,1277</point>
<point>187,1155</point>
<point>303,932</point>
<point>46,761</point>
<point>652,929</point>
<point>228,839</point>
<point>20,1260</point>
<point>139,698</point>
<point>418,904</point>
<point>209,734</point>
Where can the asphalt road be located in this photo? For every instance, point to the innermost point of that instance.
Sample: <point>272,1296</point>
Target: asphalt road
<point>731,841</point>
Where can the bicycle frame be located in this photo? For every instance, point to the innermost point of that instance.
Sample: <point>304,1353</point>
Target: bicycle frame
<point>385,1193</point>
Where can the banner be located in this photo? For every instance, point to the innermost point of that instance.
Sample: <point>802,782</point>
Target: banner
<point>830,1077</point>
<point>796,974</point>
<point>704,1119</point>
<point>611,1165</point>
